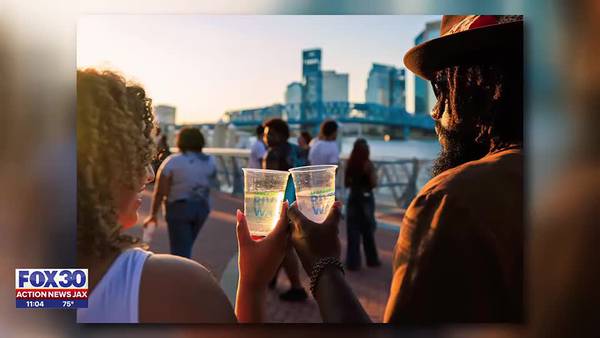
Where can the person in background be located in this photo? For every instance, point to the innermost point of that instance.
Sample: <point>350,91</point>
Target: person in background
<point>303,143</point>
<point>184,181</point>
<point>282,155</point>
<point>127,283</point>
<point>324,148</point>
<point>258,150</point>
<point>360,177</point>
<point>162,149</point>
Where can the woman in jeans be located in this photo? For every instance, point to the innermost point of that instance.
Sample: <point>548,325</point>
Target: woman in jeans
<point>361,178</point>
<point>184,181</point>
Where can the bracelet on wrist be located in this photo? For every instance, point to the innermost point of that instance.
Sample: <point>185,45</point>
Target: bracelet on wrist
<point>318,268</point>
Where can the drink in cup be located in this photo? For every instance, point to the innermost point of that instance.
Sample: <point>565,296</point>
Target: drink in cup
<point>315,190</point>
<point>263,195</point>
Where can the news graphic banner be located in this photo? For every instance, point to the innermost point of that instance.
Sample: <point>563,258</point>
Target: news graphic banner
<point>51,288</point>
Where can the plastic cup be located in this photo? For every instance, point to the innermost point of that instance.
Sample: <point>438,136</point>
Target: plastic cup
<point>263,195</point>
<point>315,190</point>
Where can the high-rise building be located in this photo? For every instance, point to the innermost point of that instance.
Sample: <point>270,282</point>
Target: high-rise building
<point>312,76</point>
<point>165,116</point>
<point>378,84</point>
<point>335,86</point>
<point>293,93</point>
<point>318,86</point>
<point>398,90</point>
<point>312,96</point>
<point>386,86</point>
<point>424,97</point>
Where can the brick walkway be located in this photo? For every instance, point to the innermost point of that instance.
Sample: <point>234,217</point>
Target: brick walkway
<point>216,248</point>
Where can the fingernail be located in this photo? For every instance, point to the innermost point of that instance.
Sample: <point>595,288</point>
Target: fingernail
<point>238,215</point>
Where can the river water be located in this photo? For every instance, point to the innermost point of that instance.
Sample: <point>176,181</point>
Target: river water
<point>421,149</point>
<point>398,149</point>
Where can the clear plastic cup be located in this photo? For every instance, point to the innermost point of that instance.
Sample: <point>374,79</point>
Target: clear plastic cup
<point>315,190</point>
<point>263,195</point>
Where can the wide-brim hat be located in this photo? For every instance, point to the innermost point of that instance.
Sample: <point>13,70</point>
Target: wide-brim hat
<point>470,39</point>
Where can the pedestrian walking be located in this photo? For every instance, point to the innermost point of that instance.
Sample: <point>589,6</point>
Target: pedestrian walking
<point>183,184</point>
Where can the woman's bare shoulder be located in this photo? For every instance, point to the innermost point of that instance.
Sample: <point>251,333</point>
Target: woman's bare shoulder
<point>170,263</point>
<point>180,290</point>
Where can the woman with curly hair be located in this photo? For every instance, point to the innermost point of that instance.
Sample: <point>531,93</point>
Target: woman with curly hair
<point>128,283</point>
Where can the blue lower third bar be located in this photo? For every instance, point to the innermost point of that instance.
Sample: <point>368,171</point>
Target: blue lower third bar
<point>52,303</point>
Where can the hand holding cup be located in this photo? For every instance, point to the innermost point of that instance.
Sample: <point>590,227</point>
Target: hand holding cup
<point>314,241</point>
<point>258,260</point>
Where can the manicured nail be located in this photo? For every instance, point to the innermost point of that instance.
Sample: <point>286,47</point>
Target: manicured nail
<point>238,215</point>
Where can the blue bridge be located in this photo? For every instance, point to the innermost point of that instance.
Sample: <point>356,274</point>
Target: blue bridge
<point>312,114</point>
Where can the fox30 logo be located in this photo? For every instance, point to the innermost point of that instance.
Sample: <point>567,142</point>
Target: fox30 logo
<point>51,288</point>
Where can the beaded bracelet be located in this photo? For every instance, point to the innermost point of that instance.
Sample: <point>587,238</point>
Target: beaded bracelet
<point>318,269</point>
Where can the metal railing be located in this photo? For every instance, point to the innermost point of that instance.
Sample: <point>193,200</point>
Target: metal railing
<point>398,179</point>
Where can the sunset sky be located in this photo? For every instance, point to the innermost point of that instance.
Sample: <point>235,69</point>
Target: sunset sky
<point>208,64</point>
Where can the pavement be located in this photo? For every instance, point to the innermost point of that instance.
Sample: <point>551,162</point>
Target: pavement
<point>216,249</point>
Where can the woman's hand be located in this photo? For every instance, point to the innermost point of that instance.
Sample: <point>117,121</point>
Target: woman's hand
<point>314,241</point>
<point>259,260</point>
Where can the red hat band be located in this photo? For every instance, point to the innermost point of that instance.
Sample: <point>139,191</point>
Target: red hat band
<point>478,21</point>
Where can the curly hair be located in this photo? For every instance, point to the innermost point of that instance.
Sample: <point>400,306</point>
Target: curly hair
<point>114,146</point>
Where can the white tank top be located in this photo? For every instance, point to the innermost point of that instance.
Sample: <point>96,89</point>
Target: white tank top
<point>115,299</point>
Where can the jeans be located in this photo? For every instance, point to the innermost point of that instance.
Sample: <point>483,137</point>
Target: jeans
<point>185,219</point>
<point>360,222</point>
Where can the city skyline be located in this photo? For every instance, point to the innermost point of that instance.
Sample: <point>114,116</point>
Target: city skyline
<point>206,65</point>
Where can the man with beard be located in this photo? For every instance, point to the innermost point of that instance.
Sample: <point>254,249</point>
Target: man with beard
<point>459,255</point>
